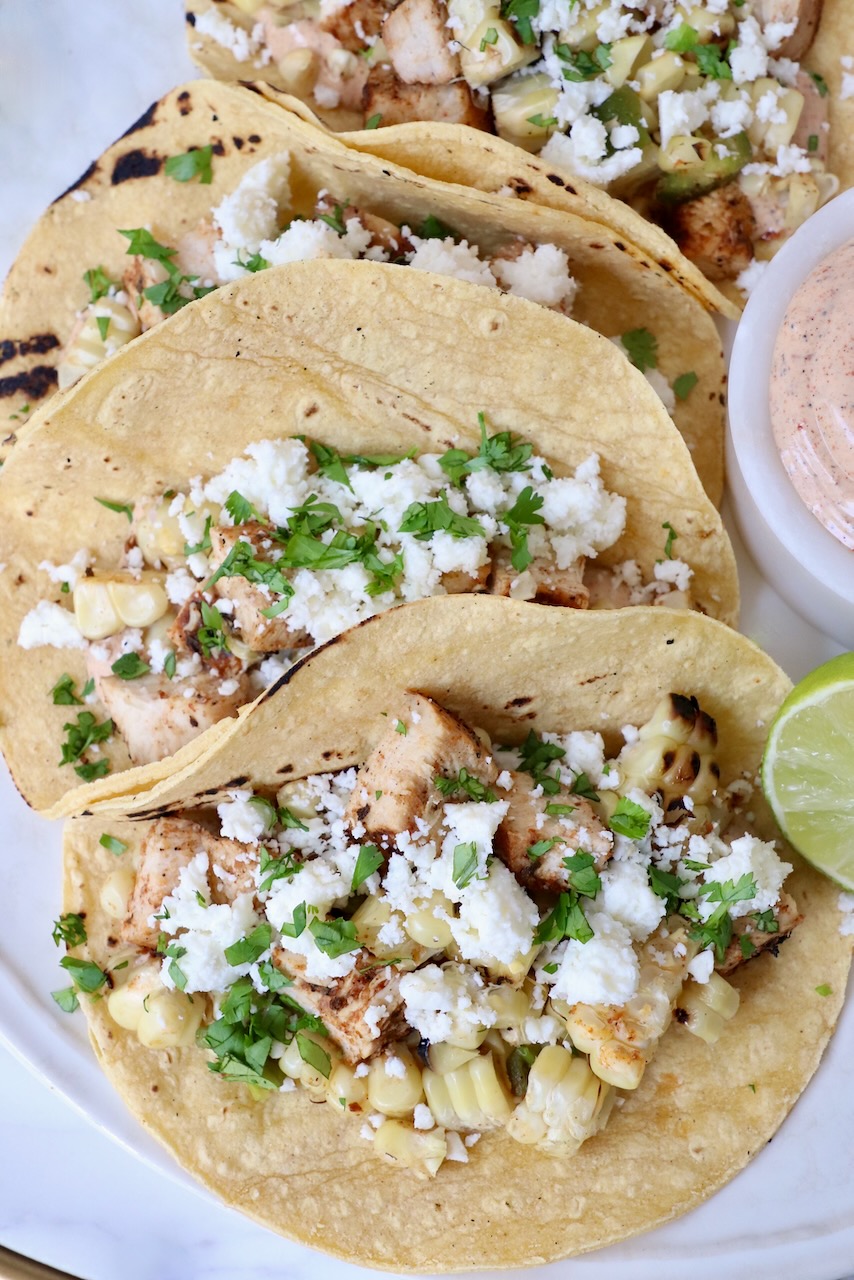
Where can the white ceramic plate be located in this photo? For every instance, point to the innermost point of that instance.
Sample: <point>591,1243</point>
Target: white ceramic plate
<point>72,76</point>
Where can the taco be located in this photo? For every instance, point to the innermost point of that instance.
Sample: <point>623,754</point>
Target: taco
<point>215,184</point>
<point>665,105</point>
<point>364,964</point>
<point>153,569</point>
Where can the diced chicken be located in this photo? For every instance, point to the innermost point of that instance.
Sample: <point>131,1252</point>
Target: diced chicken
<point>155,715</point>
<point>604,589</point>
<point>344,1002</point>
<point>551,585</point>
<point>264,635</point>
<point>788,917</point>
<point>806,13</point>
<point>396,785</point>
<point>716,231</point>
<point>142,274</point>
<point>384,234</point>
<point>416,37</point>
<point>337,76</point>
<point>195,256</point>
<point>527,823</point>
<point>354,24</point>
<point>170,845</point>
<point>386,95</point>
<point>812,132</point>
<point>459,582</point>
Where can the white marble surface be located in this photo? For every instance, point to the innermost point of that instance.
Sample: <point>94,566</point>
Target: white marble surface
<point>72,76</point>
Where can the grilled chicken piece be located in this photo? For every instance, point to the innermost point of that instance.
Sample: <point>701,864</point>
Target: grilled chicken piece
<point>343,1003</point>
<point>142,274</point>
<point>604,589</point>
<point>184,636</point>
<point>521,830</point>
<point>395,786</point>
<point>813,121</point>
<point>386,95</point>
<point>384,234</point>
<point>716,231</point>
<point>264,635</point>
<point>353,25</point>
<point>169,846</point>
<point>335,75</point>
<point>806,13</point>
<point>459,582</point>
<point>788,917</point>
<point>552,585</point>
<point>416,37</point>
<point>155,718</point>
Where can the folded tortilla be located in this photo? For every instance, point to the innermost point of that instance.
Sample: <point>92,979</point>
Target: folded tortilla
<point>366,358</point>
<point>621,287</point>
<point>700,1113</point>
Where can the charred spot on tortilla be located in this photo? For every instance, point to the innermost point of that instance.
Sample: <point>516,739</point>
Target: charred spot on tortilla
<point>185,102</point>
<point>143,122</point>
<point>254,137</point>
<point>285,769</point>
<point>135,164</point>
<point>518,702</point>
<point>556,179</point>
<point>238,142</point>
<point>191,19</point>
<point>38,345</point>
<point>34,384</point>
<point>84,177</point>
<point>521,187</point>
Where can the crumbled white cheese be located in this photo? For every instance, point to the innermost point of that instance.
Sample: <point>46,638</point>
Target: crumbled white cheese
<point>748,856</point>
<point>422,1117</point>
<point>540,274</point>
<point>205,931</point>
<point>239,43</point>
<point>50,624</point>
<point>240,819</point>
<point>445,1003</point>
<point>447,258</point>
<point>702,966</point>
<point>626,896</point>
<point>71,572</point>
<point>604,970</point>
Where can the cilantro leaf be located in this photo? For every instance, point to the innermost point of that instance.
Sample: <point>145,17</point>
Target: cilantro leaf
<point>66,999</point>
<point>582,65</point>
<point>684,385</point>
<point>63,693</point>
<point>334,937</point>
<point>98,283</point>
<point>113,845</point>
<point>247,950</point>
<point>240,509</point>
<point>468,784</point>
<point>82,734</point>
<point>92,770</point>
<point>192,164</point>
<point>211,634</point>
<point>275,867</point>
<point>423,519</point>
<point>432,229</point>
<point>566,920</point>
<point>130,666</point>
<point>630,819</point>
<point>253,263</point>
<point>369,860</point>
<point>70,929</point>
<point>641,347</point>
<point>330,463</point>
<point>520,13</point>
<point>314,1055</point>
<point>666,885</point>
<point>543,846</point>
<point>582,786</point>
<point>583,876</point>
<point>465,863</point>
<point>121,508</point>
<point>535,757</point>
<point>296,927</point>
<point>87,976</point>
<point>518,519</point>
<point>672,535</point>
<point>143,244</point>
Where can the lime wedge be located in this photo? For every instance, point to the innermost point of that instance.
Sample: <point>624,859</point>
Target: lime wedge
<point>808,768</point>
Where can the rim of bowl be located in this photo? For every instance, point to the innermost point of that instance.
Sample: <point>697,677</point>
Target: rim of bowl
<point>749,417</point>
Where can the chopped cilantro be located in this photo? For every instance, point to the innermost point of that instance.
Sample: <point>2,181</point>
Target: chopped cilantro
<point>583,876</point>
<point>335,220</point>
<point>766,921</point>
<point>98,283</point>
<point>550,968</point>
<point>819,82</point>
<point>249,1022</point>
<point>334,937</point>
<point>211,635</point>
<point>87,976</point>
<point>192,164</point>
<point>400,727</point>
<point>423,519</point>
<point>288,819</point>
<point>684,385</point>
<point>296,928</point>
<point>560,810</point>
<point>121,508</point>
<point>691,865</point>
<point>170,663</point>
<point>535,758</point>
<point>672,535</point>
<point>82,735</point>
<point>683,39</point>
<point>582,786</point>
<point>520,13</point>
<point>630,819</point>
<point>103,323</point>
<point>467,783</point>
<point>253,263</point>
<point>582,65</point>
<point>747,947</point>
<point>66,999</point>
<point>812,142</point>
<point>518,519</point>
<point>312,1054</point>
<point>825,989</point>
<point>465,863</point>
<point>369,860</point>
<point>143,244</point>
<point>500,452</point>
<point>63,693</point>
<point>641,347</point>
<point>432,229</point>
<point>205,543</point>
<point>240,509</point>
<point>374,121</point>
<point>543,846</point>
<point>70,929</point>
<point>666,886</point>
<point>113,845</point>
<point>94,769</point>
<point>490,37</point>
<point>273,978</point>
<point>542,122</point>
<point>717,930</point>
<point>330,463</point>
<point>273,867</point>
<point>566,920</point>
<point>712,62</point>
<point>130,666</point>
<point>247,950</point>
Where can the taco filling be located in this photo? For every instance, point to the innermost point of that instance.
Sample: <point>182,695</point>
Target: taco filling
<point>223,586</point>
<point>258,226</point>
<point>699,114</point>
<point>454,937</point>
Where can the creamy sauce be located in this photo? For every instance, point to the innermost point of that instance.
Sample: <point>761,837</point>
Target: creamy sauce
<point>812,393</point>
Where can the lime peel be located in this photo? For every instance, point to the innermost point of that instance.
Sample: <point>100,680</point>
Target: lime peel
<point>808,768</point>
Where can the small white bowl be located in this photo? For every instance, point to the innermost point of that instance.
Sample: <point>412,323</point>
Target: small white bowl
<point>809,568</point>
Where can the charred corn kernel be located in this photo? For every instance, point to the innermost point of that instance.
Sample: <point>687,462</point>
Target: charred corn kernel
<point>447,1057</point>
<point>298,798</point>
<point>675,753</point>
<point>704,1008</point>
<point>345,1088</point>
<point>565,1102</point>
<point>104,606</point>
<point>492,51</point>
<point>249,7</point>
<point>708,25</point>
<point>299,70</point>
<point>804,199</point>
<point>549,1068</point>
<point>682,151</point>
<point>439,1099</point>
<point>158,534</point>
<point>512,1006</point>
<point>124,965</point>
<point>412,1148</point>
<point>660,74</point>
<point>291,1061</point>
<point>371,916</point>
<point>395,1095</point>
<point>527,1126</point>
<point>787,103</point>
<point>88,348</point>
<point>516,969</point>
<point>139,604</point>
<point>469,1040</point>
<point>625,55</point>
<point>523,107</point>
<point>116,890</point>
<point>491,1095</point>
<point>161,1019</point>
<point>620,1040</point>
<point>425,928</point>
